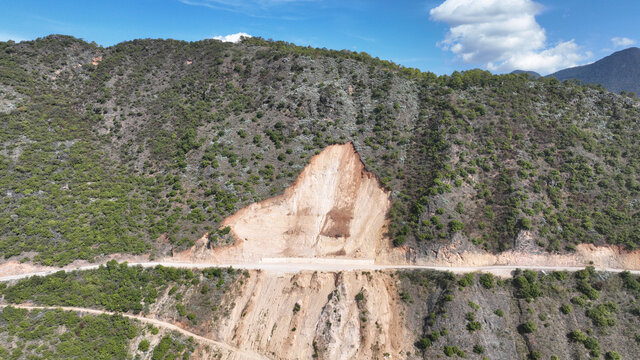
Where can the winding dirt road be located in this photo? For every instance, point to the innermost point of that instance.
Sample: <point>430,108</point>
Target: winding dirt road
<point>229,351</point>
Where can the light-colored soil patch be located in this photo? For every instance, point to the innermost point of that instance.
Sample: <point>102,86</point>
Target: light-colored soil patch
<point>265,317</point>
<point>601,257</point>
<point>335,208</point>
<point>14,267</point>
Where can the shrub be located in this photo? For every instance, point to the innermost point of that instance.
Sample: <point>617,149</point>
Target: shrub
<point>527,285</point>
<point>473,326</point>
<point>525,223</point>
<point>487,281</point>
<point>559,275</point>
<point>612,355</point>
<point>423,343</point>
<point>143,345</point>
<point>592,345</point>
<point>577,336</point>
<point>453,350</point>
<point>586,288</point>
<point>467,280</point>
<point>499,312</point>
<point>455,226</point>
<point>602,314</point>
<point>478,349</point>
<point>182,311</point>
<point>566,309</point>
<point>404,296</point>
<point>580,301</point>
<point>528,327</point>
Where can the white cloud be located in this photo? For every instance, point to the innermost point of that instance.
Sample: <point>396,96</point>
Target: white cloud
<point>503,35</point>
<point>622,41</point>
<point>234,38</point>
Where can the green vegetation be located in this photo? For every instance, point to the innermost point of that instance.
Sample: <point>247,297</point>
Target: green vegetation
<point>612,355</point>
<point>467,280</point>
<point>57,334</point>
<point>170,348</point>
<point>453,350</point>
<point>143,345</point>
<point>142,147</point>
<point>114,287</point>
<point>487,281</point>
<point>589,343</point>
<point>604,322</point>
<point>528,327</point>
<point>118,287</point>
<point>527,285</point>
<point>603,314</point>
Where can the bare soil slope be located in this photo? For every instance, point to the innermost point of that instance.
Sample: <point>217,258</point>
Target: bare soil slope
<point>297,316</point>
<point>335,208</point>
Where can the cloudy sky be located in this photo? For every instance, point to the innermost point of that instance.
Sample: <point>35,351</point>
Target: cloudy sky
<point>439,36</point>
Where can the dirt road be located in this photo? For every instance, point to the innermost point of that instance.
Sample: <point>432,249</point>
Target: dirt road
<point>229,351</point>
<point>295,265</point>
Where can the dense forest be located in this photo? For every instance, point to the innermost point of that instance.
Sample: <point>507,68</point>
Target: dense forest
<point>144,146</point>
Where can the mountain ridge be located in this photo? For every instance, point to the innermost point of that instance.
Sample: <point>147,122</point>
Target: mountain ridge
<point>617,72</point>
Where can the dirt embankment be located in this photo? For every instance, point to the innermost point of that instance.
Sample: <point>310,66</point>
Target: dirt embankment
<point>335,208</point>
<point>297,316</point>
<point>460,254</point>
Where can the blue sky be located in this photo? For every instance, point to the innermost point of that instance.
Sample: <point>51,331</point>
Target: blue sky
<point>432,35</point>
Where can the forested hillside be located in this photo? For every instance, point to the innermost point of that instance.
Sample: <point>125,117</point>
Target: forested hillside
<point>144,146</point>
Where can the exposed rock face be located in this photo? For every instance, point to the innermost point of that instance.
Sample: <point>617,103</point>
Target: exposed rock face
<point>327,321</point>
<point>334,208</point>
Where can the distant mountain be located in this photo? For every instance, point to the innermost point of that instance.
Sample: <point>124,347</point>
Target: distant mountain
<point>617,72</point>
<point>533,74</point>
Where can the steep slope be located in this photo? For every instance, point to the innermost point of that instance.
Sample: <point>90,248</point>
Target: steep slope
<point>617,72</point>
<point>335,207</point>
<point>297,316</point>
<point>158,142</point>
